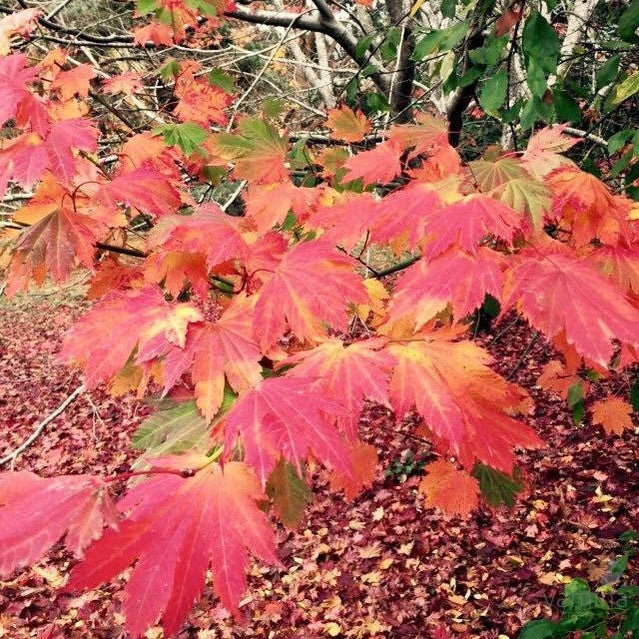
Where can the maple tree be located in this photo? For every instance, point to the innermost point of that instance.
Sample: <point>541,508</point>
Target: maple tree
<point>269,326</point>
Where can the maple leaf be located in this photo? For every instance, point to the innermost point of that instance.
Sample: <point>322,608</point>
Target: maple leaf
<point>454,491</point>
<point>215,352</point>
<point>347,125</point>
<point>346,220</point>
<point>283,417</point>
<point>268,206</point>
<point>173,429</point>
<point>584,203</point>
<point>53,246</point>
<point>16,99</point>
<point>380,164</point>
<point>456,277</point>
<point>257,150</point>
<point>174,269</point>
<point>199,101</point>
<point>127,83</point>
<point>557,378</point>
<point>429,132</point>
<point>209,231</point>
<point>365,461</point>
<point>37,512</point>
<point>556,291</point>
<point>621,263</point>
<point>110,274</point>
<point>353,373</point>
<point>467,222</point>
<point>140,318</point>
<point>507,180</point>
<point>174,528</point>
<point>464,403</point>
<point>289,493</point>
<point>403,216</point>
<point>542,154</point>
<point>145,189</point>
<point>19,23</point>
<point>34,154</point>
<point>312,285</point>
<point>76,81</point>
<point>613,413</point>
<point>153,33</point>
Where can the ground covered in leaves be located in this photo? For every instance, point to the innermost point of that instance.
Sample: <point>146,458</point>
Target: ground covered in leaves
<point>379,566</point>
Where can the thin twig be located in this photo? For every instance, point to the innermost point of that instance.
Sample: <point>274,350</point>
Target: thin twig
<point>11,457</point>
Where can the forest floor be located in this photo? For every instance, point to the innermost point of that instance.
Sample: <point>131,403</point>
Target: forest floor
<point>379,566</point>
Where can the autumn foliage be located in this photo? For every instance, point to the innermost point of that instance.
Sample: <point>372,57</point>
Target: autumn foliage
<point>269,331</point>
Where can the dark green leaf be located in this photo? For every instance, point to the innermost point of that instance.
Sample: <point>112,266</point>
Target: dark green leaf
<point>491,306</point>
<point>440,40</point>
<point>469,77</point>
<point>377,102</point>
<point>621,164</point>
<point>607,72</point>
<point>538,629</point>
<point>448,8</point>
<point>634,395</point>
<point>629,22</point>
<point>541,42</point>
<point>362,45</point>
<point>617,141</point>
<point>491,53</point>
<point>535,78</point>
<point>566,107</point>
<point>493,93</point>
<point>498,488</point>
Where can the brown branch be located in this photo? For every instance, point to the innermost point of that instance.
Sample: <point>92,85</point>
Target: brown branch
<point>37,431</point>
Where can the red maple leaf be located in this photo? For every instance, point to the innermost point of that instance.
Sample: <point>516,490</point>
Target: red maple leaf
<point>36,513</point>
<point>145,189</point>
<point>141,318</point>
<point>557,292</point>
<point>353,373</point>
<point>283,417</point>
<point>456,277</point>
<point>174,528</point>
<point>215,352</point>
<point>380,164</point>
<point>312,285</point>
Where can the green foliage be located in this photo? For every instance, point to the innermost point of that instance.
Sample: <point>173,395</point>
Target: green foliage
<point>187,135</point>
<point>576,402</point>
<point>611,610</point>
<point>290,493</point>
<point>629,22</point>
<point>493,93</point>
<point>540,42</point>
<point>497,488</point>
<point>406,466</point>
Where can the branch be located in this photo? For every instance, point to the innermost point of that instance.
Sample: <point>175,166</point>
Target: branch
<point>11,457</point>
<point>400,266</point>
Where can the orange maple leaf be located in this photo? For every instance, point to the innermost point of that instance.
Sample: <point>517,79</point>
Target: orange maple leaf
<point>613,413</point>
<point>454,491</point>
<point>347,125</point>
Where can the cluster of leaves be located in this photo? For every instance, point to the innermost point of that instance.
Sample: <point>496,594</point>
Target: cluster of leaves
<point>270,330</point>
<point>611,611</point>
